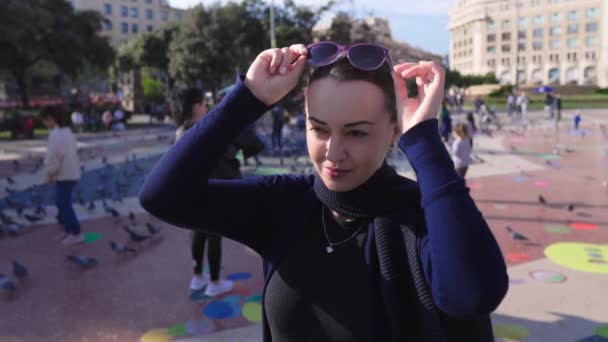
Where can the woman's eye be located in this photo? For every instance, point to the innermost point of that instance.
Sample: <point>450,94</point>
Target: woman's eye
<point>357,134</point>
<point>318,130</point>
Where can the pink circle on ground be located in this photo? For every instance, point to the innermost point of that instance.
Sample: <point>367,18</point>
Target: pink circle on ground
<point>583,226</point>
<point>243,291</point>
<point>540,184</point>
<point>474,186</point>
<point>549,277</point>
<point>517,257</point>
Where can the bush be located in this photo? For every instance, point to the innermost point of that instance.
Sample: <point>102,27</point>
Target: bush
<point>503,91</point>
<point>603,91</point>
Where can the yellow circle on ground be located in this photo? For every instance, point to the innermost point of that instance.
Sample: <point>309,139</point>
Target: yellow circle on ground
<point>510,332</point>
<point>579,256</point>
<point>156,335</point>
<point>253,312</point>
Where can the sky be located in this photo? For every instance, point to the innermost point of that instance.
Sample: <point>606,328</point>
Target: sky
<point>421,23</point>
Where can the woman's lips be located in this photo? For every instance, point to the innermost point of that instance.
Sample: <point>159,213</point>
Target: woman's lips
<point>335,173</point>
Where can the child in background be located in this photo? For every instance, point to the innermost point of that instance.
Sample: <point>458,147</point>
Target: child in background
<point>461,149</point>
<point>577,120</point>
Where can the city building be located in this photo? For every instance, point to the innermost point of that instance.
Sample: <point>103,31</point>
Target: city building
<point>561,42</point>
<point>127,18</point>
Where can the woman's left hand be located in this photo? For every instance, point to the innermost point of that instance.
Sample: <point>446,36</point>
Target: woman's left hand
<point>430,79</point>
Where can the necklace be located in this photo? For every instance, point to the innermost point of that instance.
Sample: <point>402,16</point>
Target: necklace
<point>330,245</point>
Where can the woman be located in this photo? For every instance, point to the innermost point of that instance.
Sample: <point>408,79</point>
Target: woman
<point>461,149</point>
<point>193,108</point>
<point>445,126</point>
<point>62,166</point>
<point>349,254</point>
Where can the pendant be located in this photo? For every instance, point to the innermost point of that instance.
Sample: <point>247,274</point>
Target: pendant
<point>329,249</point>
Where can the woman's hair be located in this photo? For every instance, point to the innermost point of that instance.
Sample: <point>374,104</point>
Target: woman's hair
<point>342,70</point>
<point>461,130</point>
<point>57,113</point>
<point>187,99</point>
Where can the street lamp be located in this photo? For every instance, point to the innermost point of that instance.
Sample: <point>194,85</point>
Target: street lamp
<point>273,40</point>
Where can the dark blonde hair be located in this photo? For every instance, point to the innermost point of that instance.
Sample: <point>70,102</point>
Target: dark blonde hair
<point>461,130</point>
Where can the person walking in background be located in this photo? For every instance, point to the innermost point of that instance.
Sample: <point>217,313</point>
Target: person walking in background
<point>558,109</point>
<point>522,101</point>
<point>278,121</point>
<point>471,126</point>
<point>549,99</point>
<point>577,120</point>
<point>62,167</point>
<point>461,149</point>
<point>445,122</point>
<point>193,108</point>
<point>510,104</point>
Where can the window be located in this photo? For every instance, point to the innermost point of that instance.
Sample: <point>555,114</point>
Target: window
<point>556,31</point>
<point>149,14</point>
<point>523,21</point>
<point>556,17</point>
<point>506,36</point>
<point>572,43</point>
<point>521,34</point>
<point>124,27</point>
<point>572,28</point>
<point>506,48</point>
<point>107,25</point>
<point>124,11</point>
<point>491,49</point>
<point>521,47</point>
<point>178,16</point>
<point>107,9</point>
<point>150,28</point>
<point>491,37</point>
<point>538,33</point>
<point>506,24</point>
<point>573,15</point>
<point>538,20</point>
<point>134,28</point>
<point>149,1</point>
<point>554,44</point>
<point>537,46</point>
<point>591,41</point>
<point>164,15</point>
<point>591,27</point>
<point>134,12</point>
<point>592,13</point>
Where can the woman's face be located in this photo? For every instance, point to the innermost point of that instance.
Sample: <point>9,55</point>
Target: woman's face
<point>199,110</point>
<point>348,131</point>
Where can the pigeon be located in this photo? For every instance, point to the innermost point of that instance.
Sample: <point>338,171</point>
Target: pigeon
<point>111,211</point>
<point>104,159</point>
<point>6,219</point>
<point>16,164</point>
<point>135,237</point>
<point>40,210</point>
<point>9,190</point>
<point>19,270</point>
<point>10,180</point>
<point>82,261</point>
<point>19,210</point>
<point>131,217</point>
<point>120,248</point>
<point>32,218</point>
<point>515,235</point>
<point>6,283</point>
<point>570,207</point>
<point>91,206</point>
<point>542,200</point>
<point>13,229</point>
<point>152,229</point>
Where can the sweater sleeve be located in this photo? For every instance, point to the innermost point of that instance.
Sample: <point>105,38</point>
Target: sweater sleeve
<point>179,191</point>
<point>53,157</point>
<point>460,256</point>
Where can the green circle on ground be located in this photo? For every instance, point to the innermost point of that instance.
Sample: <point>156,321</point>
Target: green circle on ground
<point>558,229</point>
<point>252,312</point>
<point>269,171</point>
<point>550,156</point>
<point>510,332</point>
<point>178,330</point>
<point>257,298</point>
<point>602,331</point>
<point>90,237</point>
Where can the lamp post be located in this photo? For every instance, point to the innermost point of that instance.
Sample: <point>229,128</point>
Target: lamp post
<point>516,24</point>
<point>273,40</point>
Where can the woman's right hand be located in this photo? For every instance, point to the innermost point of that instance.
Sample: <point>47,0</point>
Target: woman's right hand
<point>275,72</point>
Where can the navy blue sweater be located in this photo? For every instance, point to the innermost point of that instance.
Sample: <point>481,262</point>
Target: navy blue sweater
<point>461,260</point>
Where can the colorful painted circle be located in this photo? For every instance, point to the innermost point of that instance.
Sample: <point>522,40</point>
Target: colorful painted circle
<point>574,255</point>
<point>517,257</point>
<point>253,312</point>
<point>510,332</point>
<point>177,330</point>
<point>270,171</point>
<point>219,310</point>
<point>558,229</point>
<point>257,298</point>
<point>239,276</point>
<point>540,184</point>
<point>232,299</point>
<point>602,331</point>
<point>156,335</point>
<point>593,338</point>
<point>550,277</point>
<point>583,226</point>
<point>199,327</point>
<point>198,296</point>
<point>90,237</point>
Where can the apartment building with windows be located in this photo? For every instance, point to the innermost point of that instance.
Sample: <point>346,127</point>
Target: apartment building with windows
<point>127,18</point>
<point>531,41</point>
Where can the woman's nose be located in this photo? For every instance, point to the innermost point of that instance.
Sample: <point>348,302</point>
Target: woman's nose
<point>335,150</point>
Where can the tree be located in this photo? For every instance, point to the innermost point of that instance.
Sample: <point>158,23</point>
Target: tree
<point>341,27</point>
<point>34,31</point>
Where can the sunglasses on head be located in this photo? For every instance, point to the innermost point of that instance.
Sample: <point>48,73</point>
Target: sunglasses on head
<point>362,56</point>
